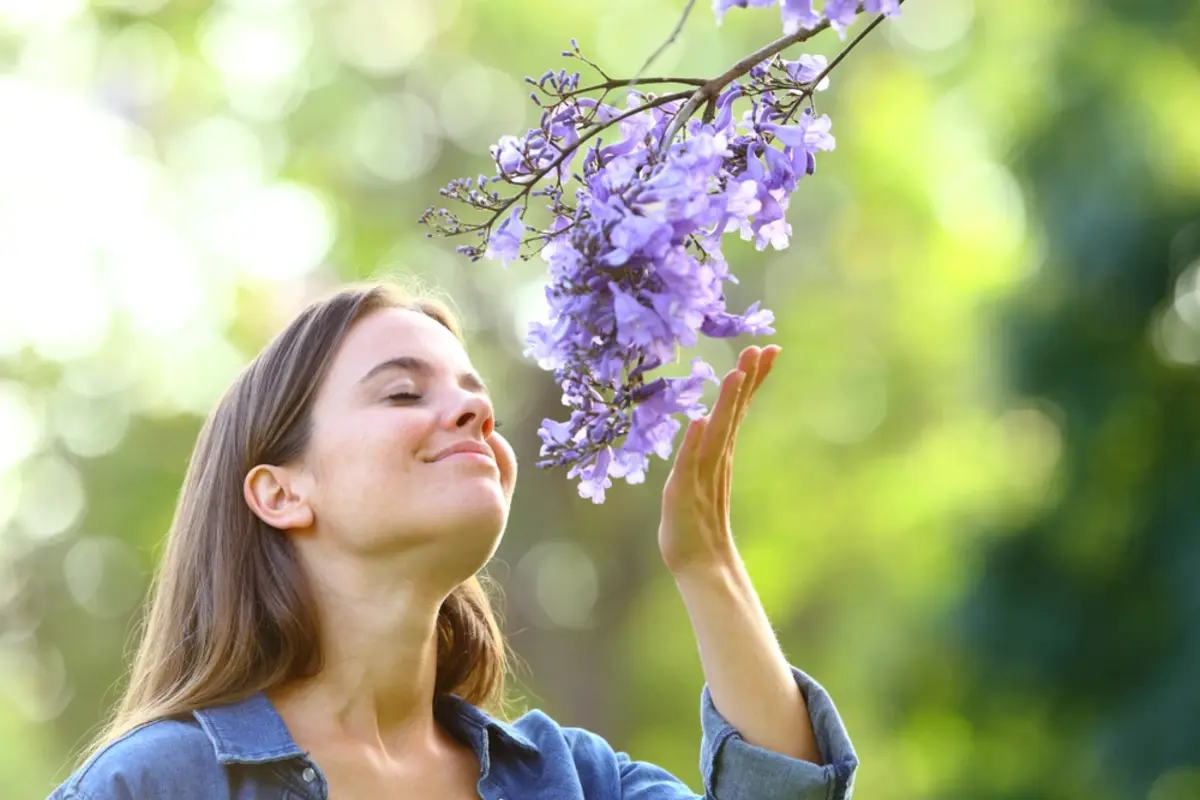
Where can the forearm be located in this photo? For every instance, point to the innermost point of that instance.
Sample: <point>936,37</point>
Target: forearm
<point>749,678</point>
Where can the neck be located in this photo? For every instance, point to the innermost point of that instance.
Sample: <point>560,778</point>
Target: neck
<point>379,665</point>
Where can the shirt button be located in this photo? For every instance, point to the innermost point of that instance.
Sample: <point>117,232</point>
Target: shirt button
<point>308,774</point>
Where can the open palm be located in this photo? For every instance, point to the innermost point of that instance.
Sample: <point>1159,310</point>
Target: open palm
<point>695,530</point>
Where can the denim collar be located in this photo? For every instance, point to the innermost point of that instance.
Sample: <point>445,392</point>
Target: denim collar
<point>250,731</point>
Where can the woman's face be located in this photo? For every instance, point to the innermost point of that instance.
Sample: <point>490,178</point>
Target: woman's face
<point>404,455</point>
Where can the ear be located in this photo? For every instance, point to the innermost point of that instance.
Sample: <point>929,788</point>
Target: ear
<point>270,493</point>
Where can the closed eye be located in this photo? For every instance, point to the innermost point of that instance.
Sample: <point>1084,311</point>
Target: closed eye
<point>403,397</point>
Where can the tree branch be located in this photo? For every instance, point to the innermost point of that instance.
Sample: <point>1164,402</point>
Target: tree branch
<point>713,88</point>
<point>708,92</point>
<point>853,43</point>
<point>845,51</point>
<point>617,83</point>
<point>566,152</point>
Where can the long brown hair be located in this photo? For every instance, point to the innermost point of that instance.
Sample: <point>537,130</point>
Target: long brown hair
<point>230,612</point>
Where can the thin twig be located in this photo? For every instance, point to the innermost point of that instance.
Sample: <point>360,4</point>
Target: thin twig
<point>590,63</point>
<point>713,88</point>
<point>845,51</point>
<point>566,152</point>
<point>687,9</point>
<point>617,83</point>
<point>708,91</point>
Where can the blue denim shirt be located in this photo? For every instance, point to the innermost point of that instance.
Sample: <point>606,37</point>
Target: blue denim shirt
<point>243,751</point>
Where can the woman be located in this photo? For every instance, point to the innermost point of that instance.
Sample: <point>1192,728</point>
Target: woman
<point>317,629</point>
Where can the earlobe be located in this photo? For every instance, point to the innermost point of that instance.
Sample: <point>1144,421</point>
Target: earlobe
<point>269,493</point>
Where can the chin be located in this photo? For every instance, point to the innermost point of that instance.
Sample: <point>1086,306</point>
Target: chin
<point>473,522</point>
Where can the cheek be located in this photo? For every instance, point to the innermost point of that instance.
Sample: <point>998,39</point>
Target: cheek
<point>404,435</point>
<point>373,447</point>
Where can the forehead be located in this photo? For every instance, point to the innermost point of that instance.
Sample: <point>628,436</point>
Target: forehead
<point>392,333</point>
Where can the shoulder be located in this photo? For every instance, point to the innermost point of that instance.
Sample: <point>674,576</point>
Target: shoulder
<point>542,730</point>
<point>602,771</point>
<point>589,752</point>
<point>168,758</point>
<point>569,762</point>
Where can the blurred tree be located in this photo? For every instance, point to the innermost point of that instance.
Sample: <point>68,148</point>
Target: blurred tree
<point>1094,606</point>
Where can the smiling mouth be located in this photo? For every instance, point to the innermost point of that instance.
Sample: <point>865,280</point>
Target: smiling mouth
<point>466,448</point>
<point>471,454</point>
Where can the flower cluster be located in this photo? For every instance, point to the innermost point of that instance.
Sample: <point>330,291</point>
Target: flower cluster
<point>634,251</point>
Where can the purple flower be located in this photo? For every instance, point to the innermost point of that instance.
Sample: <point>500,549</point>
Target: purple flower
<point>797,14</point>
<point>807,68</point>
<point>724,118</point>
<point>555,432</point>
<point>629,463</point>
<point>721,6</point>
<point>755,322</point>
<point>888,7</point>
<point>594,476</point>
<point>505,242</point>
<point>802,141</point>
<point>685,392</point>
<point>639,326</point>
<point>654,425</point>
<point>507,154</point>
<point>635,233</point>
<point>741,199</point>
<point>841,12</point>
<point>652,432</point>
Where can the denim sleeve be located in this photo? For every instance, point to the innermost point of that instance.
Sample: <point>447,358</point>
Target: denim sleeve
<point>734,769</point>
<point>165,759</point>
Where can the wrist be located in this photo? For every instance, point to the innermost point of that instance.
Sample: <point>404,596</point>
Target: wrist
<point>719,575</point>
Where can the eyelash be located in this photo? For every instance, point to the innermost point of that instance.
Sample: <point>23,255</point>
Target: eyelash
<point>408,397</point>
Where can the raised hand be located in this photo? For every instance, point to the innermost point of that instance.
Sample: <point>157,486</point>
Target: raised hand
<point>695,530</point>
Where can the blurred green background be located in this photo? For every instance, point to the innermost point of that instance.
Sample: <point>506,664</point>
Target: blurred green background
<point>967,496</point>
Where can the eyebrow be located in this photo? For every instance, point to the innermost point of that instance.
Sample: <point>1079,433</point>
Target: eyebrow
<point>419,366</point>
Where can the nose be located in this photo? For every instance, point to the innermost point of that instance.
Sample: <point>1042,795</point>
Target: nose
<point>472,410</point>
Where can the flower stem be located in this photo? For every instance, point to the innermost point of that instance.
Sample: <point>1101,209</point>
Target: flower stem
<point>617,83</point>
<point>710,90</point>
<point>567,151</point>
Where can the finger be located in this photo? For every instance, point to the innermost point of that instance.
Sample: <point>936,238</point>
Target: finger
<point>748,360</point>
<point>687,459</point>
<point>721,418</point>
<point>758,364</point>
<point>753,362</point>
<point>769,355</point>
<point>724,487</point>
<point>763,368</point>
<point>748,363</point>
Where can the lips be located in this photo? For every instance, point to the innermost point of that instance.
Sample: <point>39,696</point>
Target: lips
<point>466,448</point>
